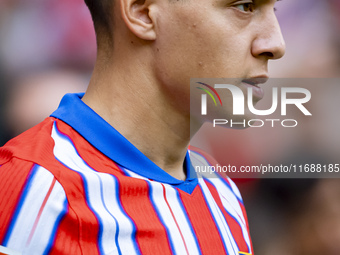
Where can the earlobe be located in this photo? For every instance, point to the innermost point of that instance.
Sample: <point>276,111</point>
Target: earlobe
<point>137,16</point>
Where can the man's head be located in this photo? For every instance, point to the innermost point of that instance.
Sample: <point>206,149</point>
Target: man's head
<point>173,41</point>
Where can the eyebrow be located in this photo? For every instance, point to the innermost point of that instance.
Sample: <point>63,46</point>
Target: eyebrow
<point>263,1</point>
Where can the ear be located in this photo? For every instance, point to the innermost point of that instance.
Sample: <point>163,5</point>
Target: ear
<point>137,16</point>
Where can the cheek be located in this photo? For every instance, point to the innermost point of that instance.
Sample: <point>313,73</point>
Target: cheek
<point>187,42</point>
<point>219,52</point>
<point>177,56</point>
<point>189,46</point>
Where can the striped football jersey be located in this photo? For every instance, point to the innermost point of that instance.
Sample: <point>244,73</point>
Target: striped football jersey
<point>74,185</point>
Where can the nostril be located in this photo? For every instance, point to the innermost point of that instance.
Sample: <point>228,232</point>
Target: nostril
<point>267,54</point>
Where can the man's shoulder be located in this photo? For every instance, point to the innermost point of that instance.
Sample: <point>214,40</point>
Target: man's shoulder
<point>29,146</point>
<point>56,147</point>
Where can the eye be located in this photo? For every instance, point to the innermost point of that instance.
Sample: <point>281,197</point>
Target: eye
<point>245,7</point>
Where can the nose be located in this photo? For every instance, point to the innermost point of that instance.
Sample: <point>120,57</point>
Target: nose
<point>269,41</point>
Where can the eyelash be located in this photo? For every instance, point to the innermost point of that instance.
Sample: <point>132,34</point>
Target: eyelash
<point>246,6</point>
<point>249,6</point>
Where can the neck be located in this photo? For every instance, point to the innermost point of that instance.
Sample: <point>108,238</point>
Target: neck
<point>127,95</point>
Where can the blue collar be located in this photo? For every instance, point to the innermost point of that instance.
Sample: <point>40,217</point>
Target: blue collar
<point>74,112</point>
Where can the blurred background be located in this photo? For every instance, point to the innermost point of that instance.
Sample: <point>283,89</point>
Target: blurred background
<point>47,49</point>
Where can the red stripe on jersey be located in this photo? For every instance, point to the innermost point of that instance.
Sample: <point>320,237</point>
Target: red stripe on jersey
<point>40,211</point>
<point>94,158</point>
<point>67,236</point>
<point>31,147</point>
<point>150,233</point>
<point>85,219</point>
<point>12,184</point>
<point>207,234</point>
<point>173,216</point>
<point>235,228</point>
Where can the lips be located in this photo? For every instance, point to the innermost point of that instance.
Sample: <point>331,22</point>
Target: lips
<point>253,83</point>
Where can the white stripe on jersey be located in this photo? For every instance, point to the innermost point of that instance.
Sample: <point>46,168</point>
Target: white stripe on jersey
<point>176,208</point>
<point>100,191</point>
<point>175,233</point>
<point>221,223</point>
<point>199,160</point>
<point>35,196</point>
<point>235,189</point>
<point>126,228</point>
<point>133,174</point>
<point>186,229</point>
<point>230,196</point>
<point>231,203</point>
<point>55,208</point>
<point>227,196</point>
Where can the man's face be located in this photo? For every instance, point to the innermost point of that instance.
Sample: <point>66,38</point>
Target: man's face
<point>215,39</point>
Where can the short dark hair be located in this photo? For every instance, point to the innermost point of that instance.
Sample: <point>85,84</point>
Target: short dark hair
<point>102,16</point>
<point>101,12</point>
